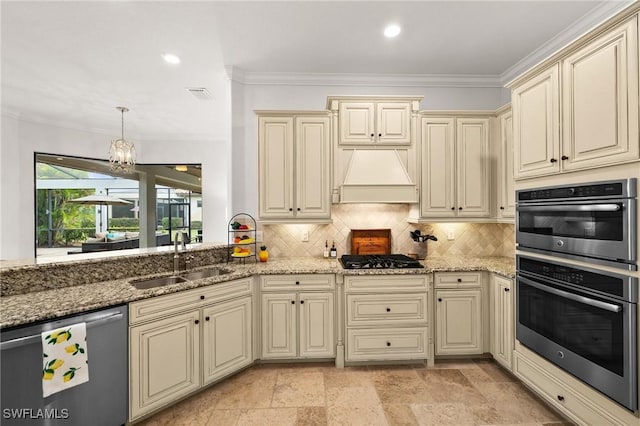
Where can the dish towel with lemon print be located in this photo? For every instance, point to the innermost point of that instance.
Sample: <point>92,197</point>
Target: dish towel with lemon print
<point>64,358</point>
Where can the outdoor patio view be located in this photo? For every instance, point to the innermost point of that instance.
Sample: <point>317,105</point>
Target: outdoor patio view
<point>79,211</point>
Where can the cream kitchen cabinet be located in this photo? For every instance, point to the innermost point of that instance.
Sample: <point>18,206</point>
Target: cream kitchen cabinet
<point>455,160</point>
<point>502,320</point>
<point>459,313</point>
<point>294,165</point>
<point>181,342</point>
<point>298,322</point>
<point>387,318</point>
<point>506,183</point>
<point>364,123</point>
<point>558,127</point>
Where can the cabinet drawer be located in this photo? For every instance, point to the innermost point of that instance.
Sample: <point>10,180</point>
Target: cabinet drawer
<point>564,397</point>
<point>297,282</point>
<point>389,283</point>
<point>169,304</point>
<point>457,279</point>
<point>387,344</point>
<point>387,309</point>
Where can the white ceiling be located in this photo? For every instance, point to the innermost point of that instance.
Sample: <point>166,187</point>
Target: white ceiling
<point>72,63</point>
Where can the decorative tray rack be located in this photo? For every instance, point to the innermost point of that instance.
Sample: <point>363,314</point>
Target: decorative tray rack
<point>242,238</point>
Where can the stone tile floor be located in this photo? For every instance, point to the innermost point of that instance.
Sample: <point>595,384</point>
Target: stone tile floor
<point>460,392</point>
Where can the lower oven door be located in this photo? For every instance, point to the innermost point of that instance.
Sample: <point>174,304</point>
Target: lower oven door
<point>591,337</point>
<point>602,229</point>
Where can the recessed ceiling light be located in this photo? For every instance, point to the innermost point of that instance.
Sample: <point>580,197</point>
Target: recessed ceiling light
<point>392,31</point>
<point>170,58</point>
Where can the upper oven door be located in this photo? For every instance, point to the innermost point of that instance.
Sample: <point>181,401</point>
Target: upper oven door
<point>600,229</point>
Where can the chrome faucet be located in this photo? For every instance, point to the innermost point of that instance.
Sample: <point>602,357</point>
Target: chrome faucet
<point>183,238</point>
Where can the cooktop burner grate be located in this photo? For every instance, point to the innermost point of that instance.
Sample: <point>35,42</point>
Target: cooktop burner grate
<point>385,261</point>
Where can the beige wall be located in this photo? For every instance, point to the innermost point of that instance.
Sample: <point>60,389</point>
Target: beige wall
<point>471,239</point>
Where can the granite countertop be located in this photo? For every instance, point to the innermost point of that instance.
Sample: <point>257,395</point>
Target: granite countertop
<point>49,304</point>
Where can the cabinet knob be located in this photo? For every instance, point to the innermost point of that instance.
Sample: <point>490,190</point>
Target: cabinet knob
<point>302,302</point>
<point>206,318</point>
<point>453,208</point>
<point>372,135</point>
<point>459,280</point>
<point>293,302</point>
<point>564,157</point>
<point>379,135</point>
<point>439,299</point>
<point>388,309</point>
<point>290,209</point>
<point>506,290</point>
<point>501,208</point>
<point>388,343</point>
<point>560,398</point>
<point>553,160</point>
<point>459,208</point>
<point>197,321</point>
<point>202,297</point>
<point>298,208</point>
<point>297,282</point>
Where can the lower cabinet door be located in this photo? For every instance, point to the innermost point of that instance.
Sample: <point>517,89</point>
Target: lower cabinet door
<point>164,363</point>
<point>279,325</point>
<point>373,344</point>
<point>458,322</point>
<point>226,338</point>
<point>502,335</point>
<point>316,325</point>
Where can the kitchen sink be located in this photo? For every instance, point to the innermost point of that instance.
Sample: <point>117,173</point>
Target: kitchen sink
<point>204,273</point>
<point>157,282</point>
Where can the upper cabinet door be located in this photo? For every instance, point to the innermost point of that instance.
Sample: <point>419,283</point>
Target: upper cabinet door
<point>536,120</point>
<point>473,177</point>
<point>357,122</point>
<point>313,167</point>
<point>275,145</point>
<point>393,123</point>
<point>437,151</point>
<point>600,100</point>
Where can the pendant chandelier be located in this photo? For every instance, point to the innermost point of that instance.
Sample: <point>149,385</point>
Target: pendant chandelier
<point>122,154</point>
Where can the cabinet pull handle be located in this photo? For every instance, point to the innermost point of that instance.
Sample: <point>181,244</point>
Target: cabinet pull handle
<point>388,343</point>
<point>302,302</point>
<point>388,309</point>
<point>197,322</point>
<point>553,160</point>
<point>202,297</point>
<point>206,318</point>
<point>507,290</point>
<point>560,398</point>
<point>564,157</point>
<point>439,299</point>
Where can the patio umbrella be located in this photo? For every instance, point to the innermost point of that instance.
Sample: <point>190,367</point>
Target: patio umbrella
<point>100,200</point>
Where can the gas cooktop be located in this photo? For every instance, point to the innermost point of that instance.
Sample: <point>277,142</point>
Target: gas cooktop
<point>375,261</point>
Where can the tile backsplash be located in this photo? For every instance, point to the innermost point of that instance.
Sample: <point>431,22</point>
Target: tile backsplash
<point>470,239</point>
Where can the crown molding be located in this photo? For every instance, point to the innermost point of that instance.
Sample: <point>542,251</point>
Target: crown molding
<point>353,79</point>
<point>578,29</point>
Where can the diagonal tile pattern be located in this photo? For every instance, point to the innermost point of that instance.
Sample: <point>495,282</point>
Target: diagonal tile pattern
<point>454,392</point>
<point>471,239</point>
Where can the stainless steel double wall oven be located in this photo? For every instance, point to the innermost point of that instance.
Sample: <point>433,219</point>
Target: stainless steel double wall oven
<point>582,319</point>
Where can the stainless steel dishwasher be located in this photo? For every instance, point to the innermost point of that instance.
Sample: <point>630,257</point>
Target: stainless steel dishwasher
<point>103,400</point>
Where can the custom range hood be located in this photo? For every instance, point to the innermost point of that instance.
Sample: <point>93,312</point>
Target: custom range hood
<point>377,176</point>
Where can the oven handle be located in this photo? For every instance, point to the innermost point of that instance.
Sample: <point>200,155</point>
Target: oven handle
<point>573,208</point>
<point>592,302</point>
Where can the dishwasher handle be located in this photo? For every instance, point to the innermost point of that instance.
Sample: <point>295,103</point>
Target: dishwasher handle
<point>23,341</point>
